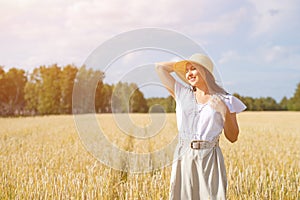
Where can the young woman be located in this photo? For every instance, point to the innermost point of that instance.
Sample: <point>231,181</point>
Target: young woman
<point>203,111</point>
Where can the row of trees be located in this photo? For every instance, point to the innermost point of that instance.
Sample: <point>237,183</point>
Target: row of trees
<point>269,104</point>
<point>49,90</point>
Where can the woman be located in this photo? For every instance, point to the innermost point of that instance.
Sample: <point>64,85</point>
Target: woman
<point>203,110</point>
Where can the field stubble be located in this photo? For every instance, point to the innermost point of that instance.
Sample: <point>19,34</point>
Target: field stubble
<point>43,158</point>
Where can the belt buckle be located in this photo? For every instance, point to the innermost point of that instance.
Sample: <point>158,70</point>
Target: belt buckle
<point>197,142</point>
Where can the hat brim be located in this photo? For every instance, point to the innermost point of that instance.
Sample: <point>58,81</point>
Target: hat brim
<point>180,69</point>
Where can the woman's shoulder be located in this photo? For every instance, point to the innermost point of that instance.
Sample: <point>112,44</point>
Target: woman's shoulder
<point>181,85</point>
<point>181,90</point>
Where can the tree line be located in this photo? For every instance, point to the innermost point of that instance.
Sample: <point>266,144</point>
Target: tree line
<point>49,90</point>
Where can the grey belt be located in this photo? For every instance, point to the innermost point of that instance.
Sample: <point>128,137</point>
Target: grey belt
<point>199,144</point>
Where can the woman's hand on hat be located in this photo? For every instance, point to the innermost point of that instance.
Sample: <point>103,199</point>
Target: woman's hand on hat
<point>218,105</point>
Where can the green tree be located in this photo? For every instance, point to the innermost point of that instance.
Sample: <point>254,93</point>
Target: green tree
<point>126,97</point>
<point>171,104</point>
<point>156,105</point>
<point>284,103</point>
<point>49,90</point>
<point>137,101</point>
<point>106,95</point>
<point>294,102</point>
<point>2,90</point>
<point>43,91</point>
<point>85,94</point>
<point>270,104</point>
<point>67,78</point>
<point>12,85</point>
<point>161,104</point>
<point>100,96</point>
<point>31,91</point>
<point>121,97</point>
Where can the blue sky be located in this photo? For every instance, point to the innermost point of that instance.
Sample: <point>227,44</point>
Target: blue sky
<point>255,44</point>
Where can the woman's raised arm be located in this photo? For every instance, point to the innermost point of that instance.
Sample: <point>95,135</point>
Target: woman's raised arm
<point>163,70</point>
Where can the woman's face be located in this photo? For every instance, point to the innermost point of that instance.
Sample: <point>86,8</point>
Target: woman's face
<point>193,75</point>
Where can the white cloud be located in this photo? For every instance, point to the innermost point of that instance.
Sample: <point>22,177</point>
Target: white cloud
<point>271,15</point>
<point>43,32</point>
<point>228,56</point>
<point>59,31</point>
<point>274,53</point>
<point>283,57</point>
<point>223,24</point>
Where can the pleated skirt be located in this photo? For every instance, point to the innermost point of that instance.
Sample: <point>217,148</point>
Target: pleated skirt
<point>198,174</point>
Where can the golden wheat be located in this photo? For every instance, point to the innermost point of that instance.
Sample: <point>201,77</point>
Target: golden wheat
<point>43,158</point>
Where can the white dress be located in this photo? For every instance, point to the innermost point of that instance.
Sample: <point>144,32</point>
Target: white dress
<point>199,173</point>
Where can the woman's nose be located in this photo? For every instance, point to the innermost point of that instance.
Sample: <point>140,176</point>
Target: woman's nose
<point>189,72</point>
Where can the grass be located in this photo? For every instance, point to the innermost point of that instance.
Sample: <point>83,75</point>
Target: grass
<point>43,158</point>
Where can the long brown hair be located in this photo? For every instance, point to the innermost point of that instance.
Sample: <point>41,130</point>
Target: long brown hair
<point>209,79</point>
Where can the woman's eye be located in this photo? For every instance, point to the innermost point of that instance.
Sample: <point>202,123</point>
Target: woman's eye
<point>190,69</point>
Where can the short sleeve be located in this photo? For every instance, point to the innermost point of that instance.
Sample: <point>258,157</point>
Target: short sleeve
<point>234,104</point>
<point>180,90</point>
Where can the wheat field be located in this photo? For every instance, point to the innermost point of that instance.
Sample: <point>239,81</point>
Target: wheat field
<point>43,158</point>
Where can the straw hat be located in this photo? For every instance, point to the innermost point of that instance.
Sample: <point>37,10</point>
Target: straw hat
<point>199,60</point>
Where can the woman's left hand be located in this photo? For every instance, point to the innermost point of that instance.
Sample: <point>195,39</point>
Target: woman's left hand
<point>218,105</point>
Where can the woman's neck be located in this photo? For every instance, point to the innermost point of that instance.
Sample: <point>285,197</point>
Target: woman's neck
<point>201,90</point>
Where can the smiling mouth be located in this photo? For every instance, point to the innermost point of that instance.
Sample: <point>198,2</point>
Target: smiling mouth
<point>192,79</point>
